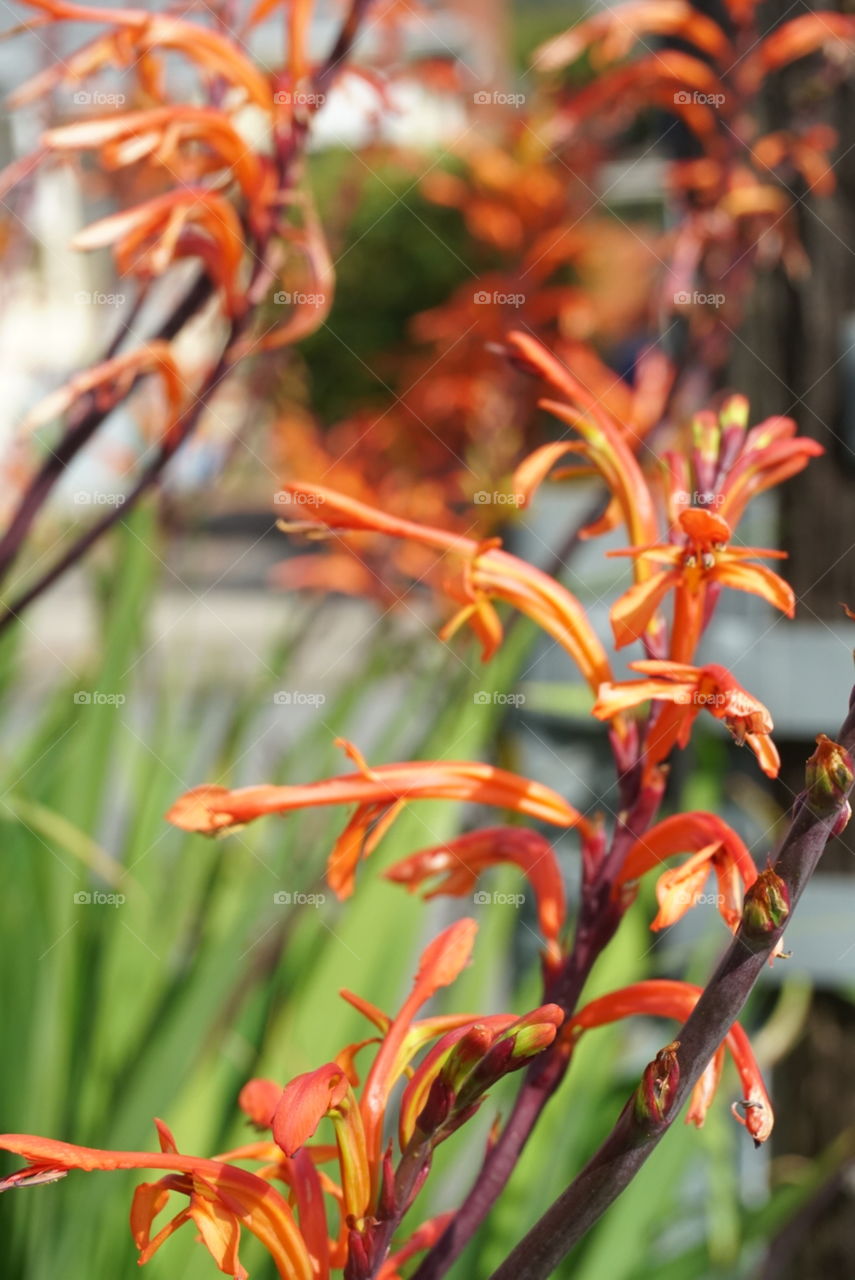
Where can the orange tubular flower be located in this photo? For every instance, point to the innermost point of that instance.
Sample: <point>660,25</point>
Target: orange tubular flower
<point>159,133</point>
<point>689,690</point>
<point>379,794</point>
<point>486,572</point>
<point>662,998</point>
<point>143,35</point>
<point>441,963</point>
<point>191,221</point>
<point>705,558</point>
<point>604,443</point>
<point>715,847</point>
<point>222,1198</point>
<point>460,862</point>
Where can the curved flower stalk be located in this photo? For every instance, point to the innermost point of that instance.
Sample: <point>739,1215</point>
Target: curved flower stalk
<point>696,549</point>
<point>699,559</point>
<point>677,1069</point>
<point>379,793</point>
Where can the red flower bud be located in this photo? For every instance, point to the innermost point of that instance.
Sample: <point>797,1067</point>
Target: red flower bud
<point>766,904</point>
<point>437,1108</point>
<point>655,1093</point>
<point>828,776</point>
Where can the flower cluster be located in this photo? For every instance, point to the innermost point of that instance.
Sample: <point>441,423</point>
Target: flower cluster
<point>681,555</point>
<point>387,1102</point>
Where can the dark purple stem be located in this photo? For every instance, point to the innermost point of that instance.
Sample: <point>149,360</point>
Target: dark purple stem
<point>343,46</point>
<point>262,279</point>
<point>633,1139</point>
<point>599,917</point>
<point>83,425</point>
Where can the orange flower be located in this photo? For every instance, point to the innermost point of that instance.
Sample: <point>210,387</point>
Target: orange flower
<point>795,39</point>
<point>461,861</point>
<point>688,691</point>
<point>303,1104</point>
<point>221,1199</point>
<point>715,847</point>
<point>604,443</point>
<point>609,36</point>
<point>770,453</point>
<point>188,222</point>
<point>159,134</point>
<point>450,1084</point>
<point>485,572</point>
<point>703,560</point>
<point>662,998</point>
<point>441,963</point>
<point>138,38</point>
<point>379,794</point>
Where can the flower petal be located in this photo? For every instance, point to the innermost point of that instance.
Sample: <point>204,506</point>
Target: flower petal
<point>632,613</point>
<point>759,581</point>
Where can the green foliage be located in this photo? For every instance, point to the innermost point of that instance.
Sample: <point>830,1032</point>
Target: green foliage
<point>399,255</point>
